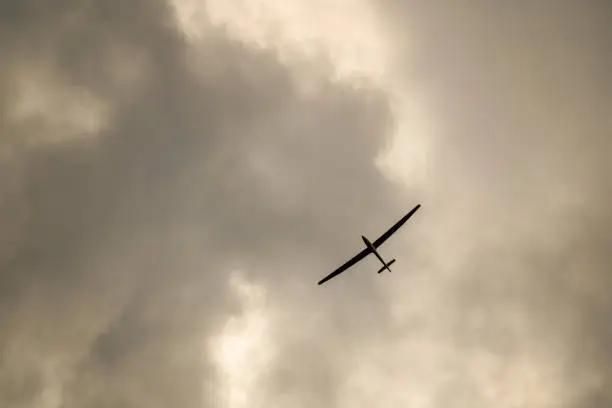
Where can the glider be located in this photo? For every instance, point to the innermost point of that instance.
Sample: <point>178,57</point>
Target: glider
<point>371,249</point>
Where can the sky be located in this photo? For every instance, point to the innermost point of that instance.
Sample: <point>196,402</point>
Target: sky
<point>176,176</point>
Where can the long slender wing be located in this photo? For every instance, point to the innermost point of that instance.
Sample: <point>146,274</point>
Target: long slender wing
<point>346,265</point>
<point>395,227</point>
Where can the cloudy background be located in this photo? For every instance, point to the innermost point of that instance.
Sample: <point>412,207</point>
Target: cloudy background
<point>175,177</point>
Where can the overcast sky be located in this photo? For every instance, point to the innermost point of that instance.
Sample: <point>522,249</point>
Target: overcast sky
<point>176,176</point>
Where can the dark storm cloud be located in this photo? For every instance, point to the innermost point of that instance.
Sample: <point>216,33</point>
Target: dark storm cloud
<point>521,96</point>
<point>116,257</point>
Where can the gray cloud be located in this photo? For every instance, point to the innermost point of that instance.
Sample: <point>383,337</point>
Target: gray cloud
<point>521,98</point>
<point>138,169</point>
<point>119,244</point>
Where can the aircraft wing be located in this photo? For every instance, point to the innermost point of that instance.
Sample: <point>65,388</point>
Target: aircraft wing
<point>346,265</point>
<point>395,227</point>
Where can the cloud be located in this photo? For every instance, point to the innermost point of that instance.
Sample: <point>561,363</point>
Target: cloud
<point>140,168</point>
<point>520,99</point>
<point>149,155</point>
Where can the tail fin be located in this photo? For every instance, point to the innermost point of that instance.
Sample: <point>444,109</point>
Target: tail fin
<point>386,266</point>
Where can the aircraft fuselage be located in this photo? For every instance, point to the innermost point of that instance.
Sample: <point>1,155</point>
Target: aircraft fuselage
<point>368,244</point>
<point>372,248</point>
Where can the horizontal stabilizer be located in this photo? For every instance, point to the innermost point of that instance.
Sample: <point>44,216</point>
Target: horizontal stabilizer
<point>386,266</point>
